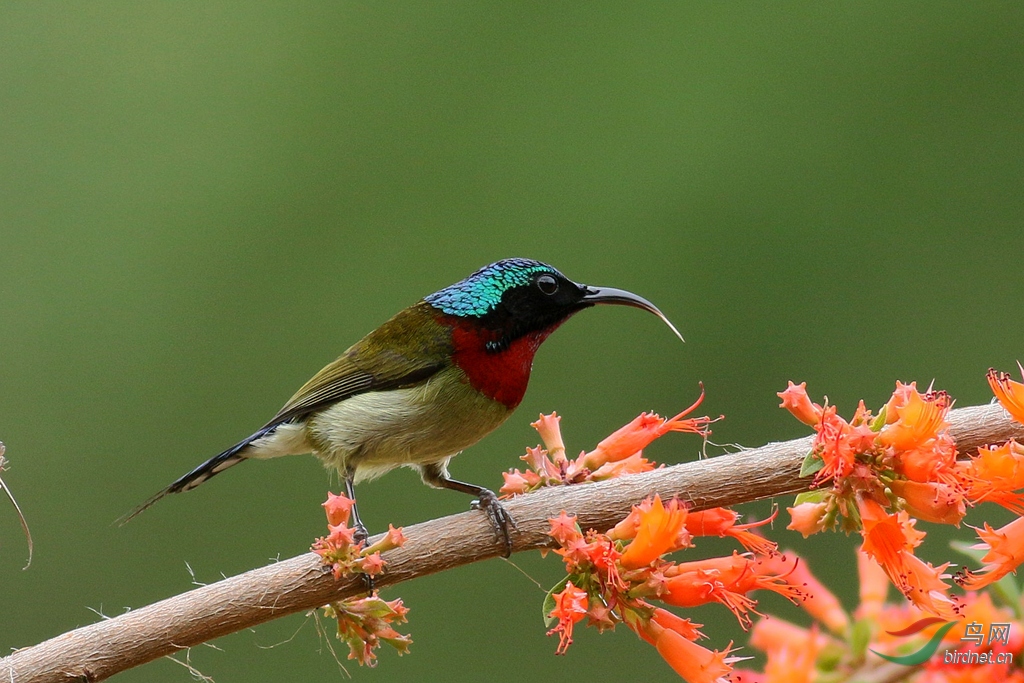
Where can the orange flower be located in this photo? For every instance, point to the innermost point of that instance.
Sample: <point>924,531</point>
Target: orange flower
<point>725,580</point>
<point>900,397</point>
<point>564,529</point>
<point>808,518</point>
<point>551,434</point>
<point>634,464</point>
<point>692,662</point>
<point>518,483</point>
<point>338,509</point>
<point>1005,548</point>
<point>659,530</point>
<point>792,651</point>
<point>636,435</point>
<point>394,538</point>
<point>874,587</point>
<point>773,634</point>
<point>1009,393</point>
<point>934,460</point>
<point>570,608</point>
<point>890,540</point>
<point>796,401</point>
<point>921,418</point>
<point>684,627</point>
<point>932,501</point>
<point>721,522</point>
<point>834,446</point>
<point>995,474</point>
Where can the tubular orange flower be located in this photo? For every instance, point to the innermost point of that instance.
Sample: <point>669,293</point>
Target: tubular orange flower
<point>394,538</point>
<point>773,634</point>
<point>899,399</point>
<point>570,608</point>
<point>644,429</point>
<point>634,464</point>
<point>833,445</point>
<point>725,580</point>
<point>517,483</point>
<point>721,522</point>
<point>692,662</point>
<point>874,587</point>
<point>659,530</point>
<point>932,501</point>
<point>551,434</point>
<point>338,509</point>
<point>1005,548</point>
<point>796,401</point>
<point>792,651</point>
<point>808,518</point>
<point>921,418</point>
<point>890,540</point>
<point>886,534</point>
<point>995,474</point>
<point>935,460</point>
<point>684,627</point>
<point>1009,393</point>
<point>564,529</point>
<point>365,623</point>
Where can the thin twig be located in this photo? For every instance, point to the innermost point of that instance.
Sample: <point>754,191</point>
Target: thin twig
<point>97,651</point>
<point>17,508</point>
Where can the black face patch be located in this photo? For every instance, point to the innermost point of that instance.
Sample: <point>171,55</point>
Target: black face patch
<point>545,301</point>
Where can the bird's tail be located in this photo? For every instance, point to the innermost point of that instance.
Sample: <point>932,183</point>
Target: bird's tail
<point>211,467</point>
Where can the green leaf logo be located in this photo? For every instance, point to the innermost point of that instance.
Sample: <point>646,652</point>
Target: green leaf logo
<point>925,653</point>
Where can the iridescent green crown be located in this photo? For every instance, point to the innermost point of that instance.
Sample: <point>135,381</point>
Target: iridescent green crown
<point>481,292</point>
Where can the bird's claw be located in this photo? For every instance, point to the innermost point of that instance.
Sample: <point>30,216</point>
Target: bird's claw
<point>501,520</point>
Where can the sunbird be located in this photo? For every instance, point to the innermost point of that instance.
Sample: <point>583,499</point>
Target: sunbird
<point>431,381</point>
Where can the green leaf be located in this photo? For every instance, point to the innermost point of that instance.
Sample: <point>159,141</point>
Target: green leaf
<point>860,637</point>
<point>549,602</point>
<point>812,463</point>
<point>879,421</point>
<point>810,497</point>
<point>965,549</point>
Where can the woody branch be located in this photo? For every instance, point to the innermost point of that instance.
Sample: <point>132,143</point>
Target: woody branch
<point>100,650</point>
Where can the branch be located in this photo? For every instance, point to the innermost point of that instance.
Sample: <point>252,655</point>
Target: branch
<point>97,651</point>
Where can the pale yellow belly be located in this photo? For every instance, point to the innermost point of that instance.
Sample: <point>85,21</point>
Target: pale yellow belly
<point>380,430</point>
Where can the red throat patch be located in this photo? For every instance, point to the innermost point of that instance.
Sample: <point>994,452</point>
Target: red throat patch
<point>499,375</point>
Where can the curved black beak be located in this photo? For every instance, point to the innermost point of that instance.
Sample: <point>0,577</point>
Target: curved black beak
<point>610,295</point>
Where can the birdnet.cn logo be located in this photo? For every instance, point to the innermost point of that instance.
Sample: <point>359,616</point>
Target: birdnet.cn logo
<point>978,648</point>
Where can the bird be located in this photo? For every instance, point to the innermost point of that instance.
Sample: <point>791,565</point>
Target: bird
<point>430,382</point>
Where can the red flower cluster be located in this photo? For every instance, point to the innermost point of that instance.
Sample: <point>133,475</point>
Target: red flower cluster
<point>884,472</point>
<point>363,623</point>
<point>878,471</point>
<point>340,549</point>
<point>618,454</point>
<point>614,576</point>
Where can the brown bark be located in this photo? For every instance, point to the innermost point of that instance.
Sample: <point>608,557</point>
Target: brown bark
<point>97,651</point>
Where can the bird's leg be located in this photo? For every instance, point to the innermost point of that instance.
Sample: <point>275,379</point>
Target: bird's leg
<point>436,475</point>
<point>361,533</point>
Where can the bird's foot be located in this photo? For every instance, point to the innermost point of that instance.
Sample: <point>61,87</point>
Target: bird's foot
<point>500,519</point>
<point>359,533</point>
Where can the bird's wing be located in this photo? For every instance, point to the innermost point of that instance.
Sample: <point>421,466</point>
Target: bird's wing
<point>404,351</point>
<point>343,379</point>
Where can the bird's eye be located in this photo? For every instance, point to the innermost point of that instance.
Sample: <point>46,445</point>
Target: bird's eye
<point>547,284</point>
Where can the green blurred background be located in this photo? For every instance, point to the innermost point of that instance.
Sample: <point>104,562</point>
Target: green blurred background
<point>201,204</point>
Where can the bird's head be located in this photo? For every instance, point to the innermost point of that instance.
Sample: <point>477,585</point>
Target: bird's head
<point>515,297</point>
